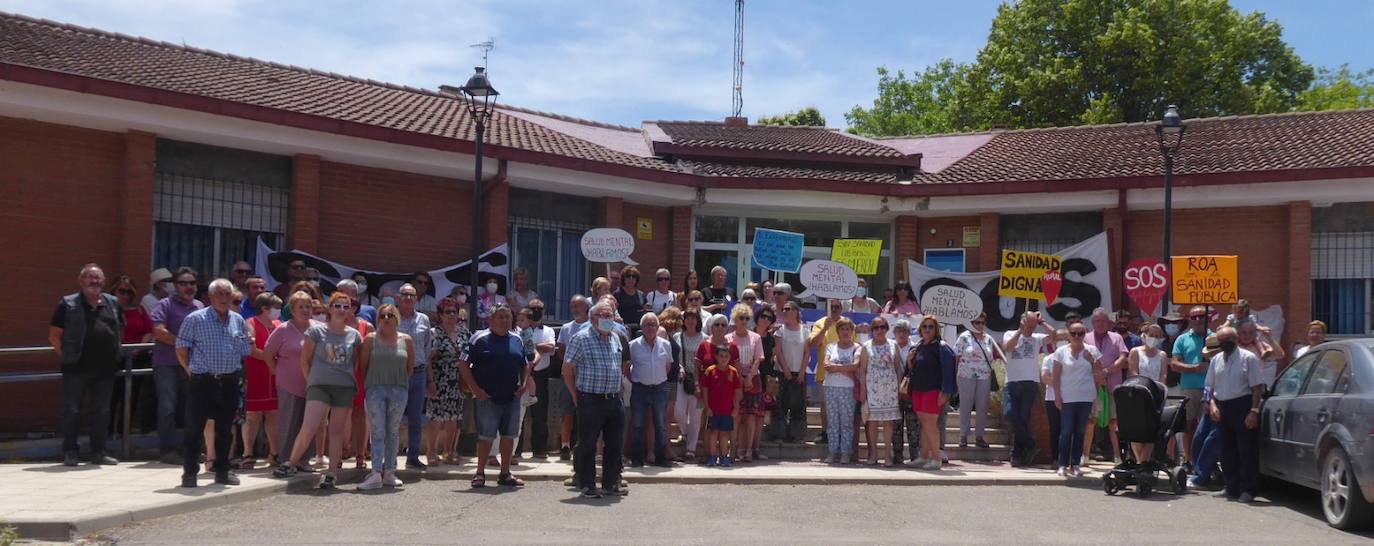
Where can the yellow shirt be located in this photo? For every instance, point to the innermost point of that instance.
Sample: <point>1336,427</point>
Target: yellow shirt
<point>831,336</point>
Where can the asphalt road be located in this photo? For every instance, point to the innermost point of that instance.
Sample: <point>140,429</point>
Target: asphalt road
<point>545,512</point>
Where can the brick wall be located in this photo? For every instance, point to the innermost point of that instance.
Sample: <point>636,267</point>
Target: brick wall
<point>393,221</point>
<point>908,237</point>
<point>680,244</point>
<point>304,232</point>
<point>62,188</point>
<point>651,253</point>
<point>951,229</point>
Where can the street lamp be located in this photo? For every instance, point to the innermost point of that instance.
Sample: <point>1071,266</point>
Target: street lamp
<point>480,97</point>
<point>1170,135</point>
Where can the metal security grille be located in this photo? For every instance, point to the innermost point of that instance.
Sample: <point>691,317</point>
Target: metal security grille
<point>1343,268</point>
<point>209,223</point>
<point>1046,233</point>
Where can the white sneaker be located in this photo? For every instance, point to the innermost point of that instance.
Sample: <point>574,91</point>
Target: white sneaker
<point>943,457</point>
<point>1077,472</point>
<point>389,478</point>
<point>1060,471</point>
<point>932,465</point>
<point>918,463</point>
<point>373,481</point>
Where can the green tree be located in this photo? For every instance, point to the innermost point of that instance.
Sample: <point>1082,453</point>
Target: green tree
<point>1338,89</point>
<point>1068,62</point>
<point>924,104</point>
<point>806,117</point>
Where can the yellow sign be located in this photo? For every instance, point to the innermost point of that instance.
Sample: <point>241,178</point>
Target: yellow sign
<point>1021,273</point>
<point>973,236</point>
<point>644,228</point>
<point>1204,280</point>
<point>861,255</point>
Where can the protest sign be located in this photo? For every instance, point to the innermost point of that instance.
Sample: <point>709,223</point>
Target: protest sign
<point>776,250</point>
<point>1145,280</point>
<point>1050,284</point>
<point>861,255</point>
<point>951,304</point>
<point>1021,273</point>
<point>827,279</point>
<point>1087,285</point>
<point>1204,280</point>
<point>608,245</point>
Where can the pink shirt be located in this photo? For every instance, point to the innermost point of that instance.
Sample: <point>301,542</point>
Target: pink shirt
<point>1112,347</point>
<point>748,351</point>
<point>286,341</point>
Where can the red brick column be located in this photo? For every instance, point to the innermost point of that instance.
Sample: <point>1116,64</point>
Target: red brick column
<point>1114,223</point>
<point>612,211</point>
<point>908,239</point>
<point>1040,428</point>
<point>1298,308</point>
<point>497,197</point>
<point>680,245</point>
<point>304,232</point>
<point>988,254</point>
<point>136,214</point>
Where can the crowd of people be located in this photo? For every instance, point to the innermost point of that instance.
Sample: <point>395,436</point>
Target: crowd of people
<point>322,379</point>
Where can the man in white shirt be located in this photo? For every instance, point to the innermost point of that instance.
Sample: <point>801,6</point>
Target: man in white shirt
<point>1237,387</point>
<point>544,348</point>
<point>1023,347</point>
<point>650,359</point>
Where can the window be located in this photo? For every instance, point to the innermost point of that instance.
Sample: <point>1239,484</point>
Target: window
<point>1290,382</point>
<point>1343,268</point>
<point>717,229</point>
<point>1328,375</point>
<point>1046,233</point>
<point>211,204</point>
<point>553,256</point>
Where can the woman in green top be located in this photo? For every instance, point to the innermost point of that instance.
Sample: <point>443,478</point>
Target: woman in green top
<point>387,359</point>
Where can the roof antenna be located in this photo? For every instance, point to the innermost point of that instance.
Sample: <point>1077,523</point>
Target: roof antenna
<point>737,100</point>
<point>486,48</point>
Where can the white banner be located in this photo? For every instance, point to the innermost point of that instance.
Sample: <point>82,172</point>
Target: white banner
<point>1087,285</point>
<point>274,268</point>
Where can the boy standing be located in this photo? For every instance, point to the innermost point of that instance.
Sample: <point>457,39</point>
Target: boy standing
<point>723,390</point>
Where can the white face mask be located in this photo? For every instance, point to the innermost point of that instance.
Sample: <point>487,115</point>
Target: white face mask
<point>861,292</point>
<point>319,318</point>
<point>274,314</point>
<point>362,288</point>
<point>1171,329</point>
<point>491,288</point>
<point>1151,341</point>
<point>166,287</point>
<point>1061,343</point>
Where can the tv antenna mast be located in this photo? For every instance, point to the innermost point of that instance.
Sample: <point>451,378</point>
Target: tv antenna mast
<point>486,48</point>
<point>737,100</point>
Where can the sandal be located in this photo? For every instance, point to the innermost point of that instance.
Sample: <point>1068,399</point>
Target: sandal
<point>453,460</point>
<point>247,464</point>
<point>479,481</point>
<point>362,463</point>
<point>510,481</point>
<point>273,461</point>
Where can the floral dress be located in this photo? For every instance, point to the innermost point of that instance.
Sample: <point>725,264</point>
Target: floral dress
<point>882,383</point>
<point>447,403</point>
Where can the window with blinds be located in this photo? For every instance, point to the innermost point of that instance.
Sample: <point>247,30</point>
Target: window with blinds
<point>1343,268</point>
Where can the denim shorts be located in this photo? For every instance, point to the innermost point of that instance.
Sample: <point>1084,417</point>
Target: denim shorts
<point>721,423</point>
<point>493,418</point>
<point>558,389</point>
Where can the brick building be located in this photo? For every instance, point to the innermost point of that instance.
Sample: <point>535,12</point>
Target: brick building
<point>139,154</point>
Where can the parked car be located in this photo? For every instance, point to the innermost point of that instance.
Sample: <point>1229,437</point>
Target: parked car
<point>1317,429</point>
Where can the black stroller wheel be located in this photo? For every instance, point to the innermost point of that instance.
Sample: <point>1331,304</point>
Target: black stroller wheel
<point>1179,477</point>
<point>1109,485</point>
<point>1143,489</point>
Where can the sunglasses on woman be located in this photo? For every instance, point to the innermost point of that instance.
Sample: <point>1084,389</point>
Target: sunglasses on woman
<point>341,306</point>
<point>929,327</point>
<point>387,316</point>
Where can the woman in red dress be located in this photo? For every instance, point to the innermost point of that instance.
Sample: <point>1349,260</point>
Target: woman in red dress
<point>260,384</point>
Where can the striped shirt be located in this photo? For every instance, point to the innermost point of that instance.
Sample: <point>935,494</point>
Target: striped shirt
<point>596,360</point>
<point>217,346</point>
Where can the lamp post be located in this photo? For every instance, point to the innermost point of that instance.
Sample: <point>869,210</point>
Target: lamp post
<point>480,97</point>
<point>1170,135</point>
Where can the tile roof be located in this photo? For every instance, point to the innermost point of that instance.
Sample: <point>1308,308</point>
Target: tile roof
<point>722,169</point>
<point>172,67</point>
<point>708,138</point>
<point>1271,142</point>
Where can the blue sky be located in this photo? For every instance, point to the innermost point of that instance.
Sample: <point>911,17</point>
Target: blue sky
<point>625,61</point>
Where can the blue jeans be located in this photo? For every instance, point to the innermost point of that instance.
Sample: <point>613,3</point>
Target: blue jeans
<point>653,397</point>
<point>1072,420</point>
<point>415,413</point>
<point>1206,449</point>
<point>385,404</point>
<point>1018,399</point>
<point>171,389</point>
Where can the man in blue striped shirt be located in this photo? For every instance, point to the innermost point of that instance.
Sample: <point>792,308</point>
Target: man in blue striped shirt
<point>592,370</point>
<point>210,347</point>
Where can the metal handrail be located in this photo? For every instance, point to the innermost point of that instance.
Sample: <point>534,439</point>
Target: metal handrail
<point>128,372</point>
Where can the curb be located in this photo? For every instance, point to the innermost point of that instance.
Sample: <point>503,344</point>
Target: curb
<point>728,477</point>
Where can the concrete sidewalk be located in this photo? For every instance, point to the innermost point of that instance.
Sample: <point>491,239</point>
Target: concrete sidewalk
<point>54,502</point>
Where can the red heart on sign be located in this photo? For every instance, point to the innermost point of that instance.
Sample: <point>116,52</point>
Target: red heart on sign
<point>1145,280</point>
<point>1050,284</point>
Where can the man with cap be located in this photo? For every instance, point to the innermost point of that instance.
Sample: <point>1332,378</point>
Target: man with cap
<point>159,286</point>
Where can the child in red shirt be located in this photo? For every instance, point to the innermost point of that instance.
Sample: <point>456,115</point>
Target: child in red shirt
<point>723,389</point>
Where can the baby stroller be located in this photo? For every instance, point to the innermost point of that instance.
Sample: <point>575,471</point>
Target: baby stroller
<point>1142,416</point>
